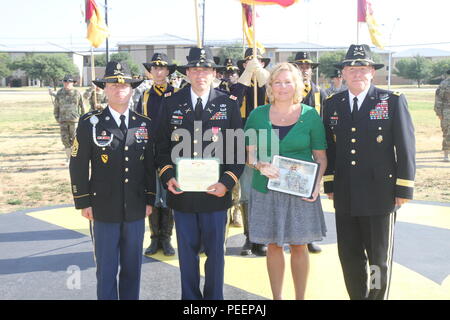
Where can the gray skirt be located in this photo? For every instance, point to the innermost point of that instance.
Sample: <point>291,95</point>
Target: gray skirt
<point>281,218</point>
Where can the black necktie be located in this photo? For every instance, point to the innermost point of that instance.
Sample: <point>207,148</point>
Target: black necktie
<point>355,108</point>
<point>123,127</point>
<point>198,109</point>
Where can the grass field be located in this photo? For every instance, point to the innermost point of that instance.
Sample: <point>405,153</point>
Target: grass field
<point>33,172</point>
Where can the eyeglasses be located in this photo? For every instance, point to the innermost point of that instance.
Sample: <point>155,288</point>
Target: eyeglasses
<point>282,84</point>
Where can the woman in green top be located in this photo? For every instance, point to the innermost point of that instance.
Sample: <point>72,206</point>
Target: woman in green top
<point>288,128</point>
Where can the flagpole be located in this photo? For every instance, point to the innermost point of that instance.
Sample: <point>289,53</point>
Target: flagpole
<point>106,22</point>
<point>255,84</point>
<point>199,43</point>
<point>93,75</point>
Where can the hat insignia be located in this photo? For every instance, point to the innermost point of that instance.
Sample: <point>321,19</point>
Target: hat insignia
<point>359,50</point>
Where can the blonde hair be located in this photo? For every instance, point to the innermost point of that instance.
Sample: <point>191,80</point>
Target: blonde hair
<point>298,80</point>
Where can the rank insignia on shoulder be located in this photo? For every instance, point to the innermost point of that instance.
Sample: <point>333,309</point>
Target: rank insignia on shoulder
<point>168,94</point>
<point>329,96</point>
<point>233,97</point>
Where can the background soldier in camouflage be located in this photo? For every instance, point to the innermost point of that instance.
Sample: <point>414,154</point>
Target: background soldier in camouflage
<point>442,109</point>
<point>98,100</point>
<point>68,109</point>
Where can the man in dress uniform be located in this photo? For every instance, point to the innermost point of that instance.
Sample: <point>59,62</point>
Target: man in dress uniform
<point>313,95</point>
<point>442,109</point>
<point>118,192</point>
<point>230,75</point>
<point>370,173</point>
<point>200,217</point>
<point>244,91</point>
<point>68,107</point>
<point>161,219</point>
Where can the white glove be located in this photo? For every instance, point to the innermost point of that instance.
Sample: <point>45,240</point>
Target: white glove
<point>247,75</point>
<point>262,75</point>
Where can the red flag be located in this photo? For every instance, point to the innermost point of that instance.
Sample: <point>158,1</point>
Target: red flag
<point>283,3</point>
<point>97,31</point>
<point>362,10</point>
<point>247,25</point>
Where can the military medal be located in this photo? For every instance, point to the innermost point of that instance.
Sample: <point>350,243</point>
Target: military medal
<point>175,137</point>
<point>380,139</point>
<point>215,131</point>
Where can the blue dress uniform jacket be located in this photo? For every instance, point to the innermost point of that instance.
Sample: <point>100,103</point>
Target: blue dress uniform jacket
<point>220,113</point>
<point>122,177</point>
<point>370,160</point>
<point>245,97</point>
<point>149,104</point>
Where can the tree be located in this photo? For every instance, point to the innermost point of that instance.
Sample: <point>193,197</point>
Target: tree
<point>439,69</point>
<point>327,62</point>
<point>46,67</point>
<point>100,61</point>
<point>5,62</point>
<point>235,52</point>
<point>417,68</point>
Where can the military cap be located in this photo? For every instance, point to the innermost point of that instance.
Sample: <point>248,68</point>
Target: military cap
<point>359,55</point>
<point>69,78</point>
<point>117,72</point>
<point>199,58</point>
<point>249,55</point>
<point>337,73</point>
<point>160,60</point>
<point>304,57</point>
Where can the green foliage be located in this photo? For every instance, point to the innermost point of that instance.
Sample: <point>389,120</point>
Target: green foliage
<point>100,61</point>
<point>417,68</point>
<point>5,62</point>
<point>235,52</point>
<point>46,67</point>
<point>439,68</point>
<point>327,61</point>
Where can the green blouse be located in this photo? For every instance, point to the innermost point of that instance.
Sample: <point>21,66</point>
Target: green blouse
<point>306,135</point>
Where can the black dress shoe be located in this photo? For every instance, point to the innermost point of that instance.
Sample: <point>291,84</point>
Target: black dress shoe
<point>152,248</point>
<point>167,248</point>
<point>260,250</point>
<point>247,248</point>
<point>314,248</point>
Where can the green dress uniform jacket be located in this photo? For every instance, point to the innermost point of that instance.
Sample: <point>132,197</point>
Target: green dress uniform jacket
<point>122,177</point>
<point>371,160</point>
<point>220,113</point>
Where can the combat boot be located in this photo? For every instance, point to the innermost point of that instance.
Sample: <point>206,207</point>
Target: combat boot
<point>153,221</point>
<point>165,232</point>
<point>260,249</point>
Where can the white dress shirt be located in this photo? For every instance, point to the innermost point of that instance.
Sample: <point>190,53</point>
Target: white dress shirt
<point>204,97</point>
<point>117,115</point>
<point>360,97</point>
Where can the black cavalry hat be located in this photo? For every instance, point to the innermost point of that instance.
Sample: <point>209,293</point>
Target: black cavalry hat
<point>230,65</point>
<point>304,57</point>
<point>200,58</point>
<point>249,55</point>
<point>117,72</point>
<point>359,55</point>
<point>160,60</point>
<point>69,78</point>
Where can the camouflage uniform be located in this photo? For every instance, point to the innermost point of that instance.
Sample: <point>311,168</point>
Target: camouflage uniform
<point>68,109</point>
<point>442,109</point>
<point>101,102</point>
<point>138,92</point>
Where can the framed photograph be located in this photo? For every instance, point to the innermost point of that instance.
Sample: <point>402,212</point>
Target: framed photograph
<point>196,175</point>
<point>297,177</point>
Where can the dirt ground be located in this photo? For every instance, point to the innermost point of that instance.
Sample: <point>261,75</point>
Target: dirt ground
<point>33,172</point>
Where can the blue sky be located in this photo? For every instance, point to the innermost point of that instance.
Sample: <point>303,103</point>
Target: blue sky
<point>325,22</point>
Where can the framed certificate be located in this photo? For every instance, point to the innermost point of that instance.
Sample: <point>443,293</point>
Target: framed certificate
<point>297,177</point>
<point>196,175</point>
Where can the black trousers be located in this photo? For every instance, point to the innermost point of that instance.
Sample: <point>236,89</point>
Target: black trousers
<point>365,246</point>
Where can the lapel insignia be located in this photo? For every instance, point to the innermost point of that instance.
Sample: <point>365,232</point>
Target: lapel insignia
<point>104,158</point>
<point>187,110</point>
<point>209,110</point>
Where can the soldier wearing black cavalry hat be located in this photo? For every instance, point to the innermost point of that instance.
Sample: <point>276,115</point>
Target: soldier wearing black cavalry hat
<point>113,183</point>
<point>370,173</point>
<point>161,219</point>
<point>199,116</point>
